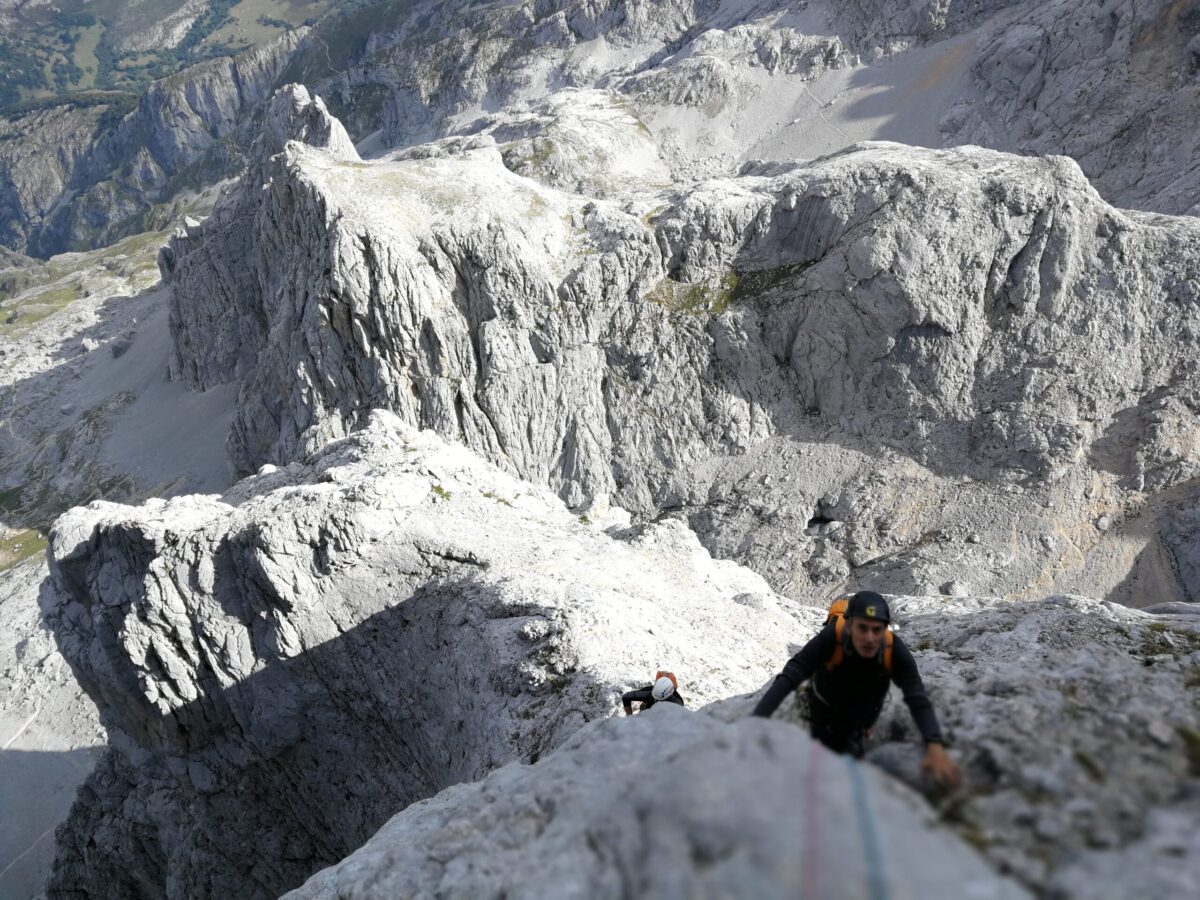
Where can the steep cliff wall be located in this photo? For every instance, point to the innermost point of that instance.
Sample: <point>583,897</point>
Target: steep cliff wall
<point>939,314</point>
<point>283,670</point>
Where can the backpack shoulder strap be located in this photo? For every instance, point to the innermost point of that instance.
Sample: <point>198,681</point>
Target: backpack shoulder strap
<point>839,654</point>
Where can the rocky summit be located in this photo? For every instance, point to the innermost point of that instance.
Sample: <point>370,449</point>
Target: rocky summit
<point>383,398</point>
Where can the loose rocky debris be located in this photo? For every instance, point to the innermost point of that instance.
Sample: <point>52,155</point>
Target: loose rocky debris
<point>50,736</point>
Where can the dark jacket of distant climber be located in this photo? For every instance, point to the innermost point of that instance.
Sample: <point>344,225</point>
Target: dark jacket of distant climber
<point>643,696</point>
<point>665,689</point>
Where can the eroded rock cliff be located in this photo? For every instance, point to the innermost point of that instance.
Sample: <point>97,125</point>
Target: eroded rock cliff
<point>940,315</point>
<point>670,804</point>
<point>283,669</point>
<point>275,685</point>
<point>83,175</point>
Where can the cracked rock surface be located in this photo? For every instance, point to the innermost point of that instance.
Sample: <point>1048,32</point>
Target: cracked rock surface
<point>1077,726</point>
<point>838,371</point>
<point>668,804</point>
<point>282,670</point>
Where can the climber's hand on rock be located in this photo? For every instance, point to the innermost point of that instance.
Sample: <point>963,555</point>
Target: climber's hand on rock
<point>940,766</point>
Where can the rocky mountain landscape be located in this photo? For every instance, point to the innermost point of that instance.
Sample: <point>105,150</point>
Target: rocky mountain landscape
<point>380,403</point>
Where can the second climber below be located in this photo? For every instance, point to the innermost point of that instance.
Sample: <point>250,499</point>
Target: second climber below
<point>665,689</point>
<point>849,666</point>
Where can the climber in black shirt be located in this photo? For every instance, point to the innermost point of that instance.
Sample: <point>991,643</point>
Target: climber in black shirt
<point>849,666</point>
<point>664,690</point>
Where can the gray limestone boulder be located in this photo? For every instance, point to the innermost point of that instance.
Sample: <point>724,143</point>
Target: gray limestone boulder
<point>282,670</point>
<point>669,804</point>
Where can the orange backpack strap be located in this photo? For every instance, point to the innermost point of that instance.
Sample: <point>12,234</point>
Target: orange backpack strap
<point>839,654</point>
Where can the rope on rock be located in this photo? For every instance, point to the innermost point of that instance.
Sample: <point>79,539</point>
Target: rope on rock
<point>872,849</point>
<point>811,875</point>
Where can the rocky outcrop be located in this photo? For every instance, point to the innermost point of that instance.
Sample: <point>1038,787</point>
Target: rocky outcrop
<point>397,603</point>
<point>1107,90</point>
<point>227,246</point>
<point>669,804</point>
<point>39,155</point>
<point>283,670</point>
<point>1112,86</point>
<point>49,732</point>
<point>135,34</point>
<point>1109,87</point>
<point>955,310</point>
<point>879,28</point>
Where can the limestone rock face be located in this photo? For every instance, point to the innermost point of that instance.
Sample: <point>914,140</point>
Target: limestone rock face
<point>952,310</point>
<point>136,34</point>
<point>39,153</point>
<point>669,804</point>
<point>282,670</point>
<point>1110,86</point>
<point>718,84</point>
<point>227,300</point>
<point>1075,722</point>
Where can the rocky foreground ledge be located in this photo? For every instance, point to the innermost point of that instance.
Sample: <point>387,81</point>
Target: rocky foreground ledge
<point>282,670</point>
<point>669,804</point>
<point>392,619</point>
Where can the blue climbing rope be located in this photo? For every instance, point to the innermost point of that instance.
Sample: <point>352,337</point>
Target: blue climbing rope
<point>872,849</point>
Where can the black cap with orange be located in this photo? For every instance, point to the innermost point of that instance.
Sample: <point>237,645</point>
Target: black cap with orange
<point>868,605</point>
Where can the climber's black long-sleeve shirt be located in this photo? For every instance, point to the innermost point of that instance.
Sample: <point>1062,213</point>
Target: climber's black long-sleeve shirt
<point>855,689</point>
<point>646,698</point>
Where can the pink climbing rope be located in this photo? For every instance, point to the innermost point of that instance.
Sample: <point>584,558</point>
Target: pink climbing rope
<point>811,874</point>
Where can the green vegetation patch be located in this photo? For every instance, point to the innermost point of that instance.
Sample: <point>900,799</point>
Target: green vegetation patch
<point>1160,638</point>
<point>1191,746</point>
<point>650,218</point>
<point>22,72</point>
<point>734,287</point>
<point>54,51</point>
<point>20,546</point>
<point>752,284</point>
<point>699,299</point>
<point>16,318</point>
<point>43,290</point>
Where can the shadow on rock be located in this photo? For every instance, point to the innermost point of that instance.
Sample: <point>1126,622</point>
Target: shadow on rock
<point>251,787</point>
